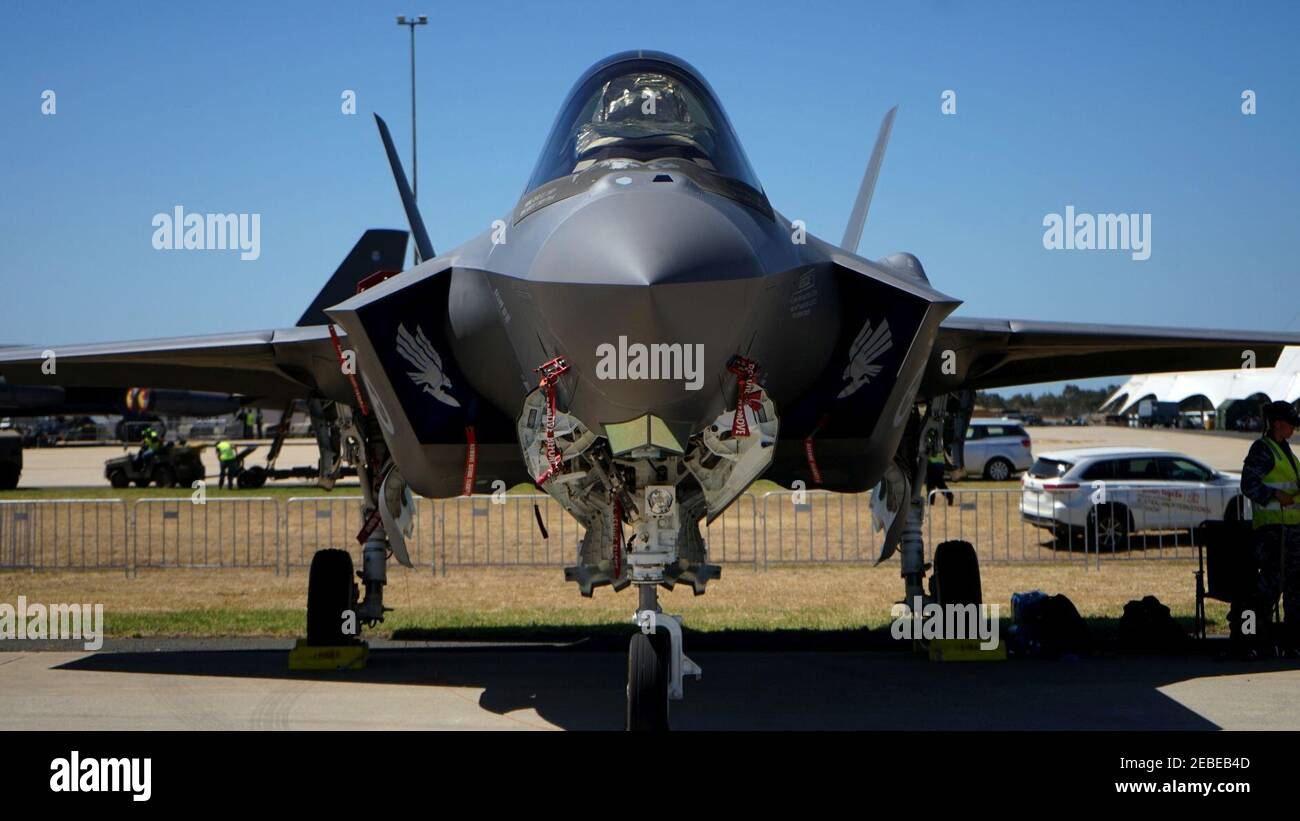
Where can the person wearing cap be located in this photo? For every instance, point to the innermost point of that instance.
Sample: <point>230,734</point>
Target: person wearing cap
<point>150,446</point>
<point>1270,478</point>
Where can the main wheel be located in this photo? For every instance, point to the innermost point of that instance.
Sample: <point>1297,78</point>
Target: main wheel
<point>251,478</point>
<point>165,476</point>
<point>956,577</point>
<point>998,469</point>
<point>330,592</point>
<point>647,682</point>
<point>119,479</point>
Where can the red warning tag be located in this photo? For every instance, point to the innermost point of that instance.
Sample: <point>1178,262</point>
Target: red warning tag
<point>551,372</point>
<point>372,522</point>
<point>618,537</point>
<point>352,377</point>
<point>471,462</point>
<point>745,371</point>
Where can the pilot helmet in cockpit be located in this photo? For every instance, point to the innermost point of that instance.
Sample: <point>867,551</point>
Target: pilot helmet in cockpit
<point>644,96</point>
<point>643,108</point>
<point>641,115</point>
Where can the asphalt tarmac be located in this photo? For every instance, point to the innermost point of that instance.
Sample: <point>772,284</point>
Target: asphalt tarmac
<point>245,684</point>
<point>83,465</point>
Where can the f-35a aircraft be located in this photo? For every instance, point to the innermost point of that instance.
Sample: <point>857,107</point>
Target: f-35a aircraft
<point>643,336</point>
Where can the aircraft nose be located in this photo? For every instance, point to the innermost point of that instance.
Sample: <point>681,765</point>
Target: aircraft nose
<point>643,232</point>
<point>649,297</point>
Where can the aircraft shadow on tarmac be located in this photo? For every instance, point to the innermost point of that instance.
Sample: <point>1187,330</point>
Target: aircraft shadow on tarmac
<point>838,684</point>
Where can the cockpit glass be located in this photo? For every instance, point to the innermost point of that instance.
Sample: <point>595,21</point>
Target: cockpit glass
<point>642,110</point>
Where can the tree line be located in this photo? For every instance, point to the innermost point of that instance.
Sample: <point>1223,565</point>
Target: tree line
<point>1071,401</point>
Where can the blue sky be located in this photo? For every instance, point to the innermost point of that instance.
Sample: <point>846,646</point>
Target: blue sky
<point>235,107</point>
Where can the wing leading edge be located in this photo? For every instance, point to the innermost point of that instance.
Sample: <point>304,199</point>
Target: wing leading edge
<point>275,365</point>
<point>995,353</point>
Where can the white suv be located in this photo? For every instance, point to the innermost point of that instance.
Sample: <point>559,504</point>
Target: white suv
<point>996,448</point>
<point>1106,494</point>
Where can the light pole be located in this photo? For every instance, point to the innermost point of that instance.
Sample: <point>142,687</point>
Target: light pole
<point>411,23</point>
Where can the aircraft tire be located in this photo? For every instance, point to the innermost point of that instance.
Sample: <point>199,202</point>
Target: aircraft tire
<point>252,478</point>
<point>647,682</point>
<point>957,574</point>
<point>330,591</point>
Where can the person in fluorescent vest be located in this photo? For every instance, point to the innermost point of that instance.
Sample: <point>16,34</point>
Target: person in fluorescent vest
<point>934,468</point>
<point>228,459</point>
<point>1270,478</point>
<point>150,446</point>
<point>151,440</point>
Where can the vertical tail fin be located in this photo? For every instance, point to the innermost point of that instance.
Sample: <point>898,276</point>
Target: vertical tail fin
<point>423,247</point>
<point>379,249</point>
<point>858,218</point>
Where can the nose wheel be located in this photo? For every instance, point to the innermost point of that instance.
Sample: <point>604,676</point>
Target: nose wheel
<point>655,664</point>
<point>647,682</point>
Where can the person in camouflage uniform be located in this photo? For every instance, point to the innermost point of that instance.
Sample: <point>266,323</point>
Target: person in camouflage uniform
<point>1270,478</point>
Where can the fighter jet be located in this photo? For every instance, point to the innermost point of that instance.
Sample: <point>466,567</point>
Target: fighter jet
<point>642,335</point>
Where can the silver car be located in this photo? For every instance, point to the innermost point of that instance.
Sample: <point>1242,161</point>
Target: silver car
<point>996,449</point>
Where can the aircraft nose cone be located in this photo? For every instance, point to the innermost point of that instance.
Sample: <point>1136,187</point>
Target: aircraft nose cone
<point>648,234</point>
<point>649,296</point>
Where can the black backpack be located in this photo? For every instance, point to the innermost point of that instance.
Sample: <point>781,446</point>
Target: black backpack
<point>1051,627</point>
<point>1148,627</point>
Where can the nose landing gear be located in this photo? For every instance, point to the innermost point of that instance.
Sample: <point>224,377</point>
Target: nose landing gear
<point>655,664</point>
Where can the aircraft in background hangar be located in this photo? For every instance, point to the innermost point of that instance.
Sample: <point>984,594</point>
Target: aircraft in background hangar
<point>1232,396</point>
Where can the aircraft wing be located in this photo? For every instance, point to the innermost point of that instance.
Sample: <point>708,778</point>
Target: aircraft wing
<point>273,365</point>
<point>995,353</point>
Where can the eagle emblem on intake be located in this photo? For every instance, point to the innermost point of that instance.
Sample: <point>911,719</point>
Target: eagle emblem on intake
<point>868,346</point>
<point>428,373</point>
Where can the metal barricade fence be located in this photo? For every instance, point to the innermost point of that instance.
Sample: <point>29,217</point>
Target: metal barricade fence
<point>1080,523</point>
<point>736,537</point>
<point>1118,521</point>
<point>997,524</point>
<point>487,531</point>
<point>314,523</point>
<point>220,532</point>
<point>64,534</point>
<point>491,531</point>
<point>818,527</point>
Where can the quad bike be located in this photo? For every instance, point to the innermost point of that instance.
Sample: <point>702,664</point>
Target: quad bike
<point>175,465</point>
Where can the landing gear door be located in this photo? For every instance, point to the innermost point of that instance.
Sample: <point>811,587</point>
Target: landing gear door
<point>397,510</point>
<point>889,500</point>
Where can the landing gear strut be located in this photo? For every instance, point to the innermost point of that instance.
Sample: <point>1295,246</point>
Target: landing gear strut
<point>655,664</point>
<point>336,605</point>
<point>956,565</point>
